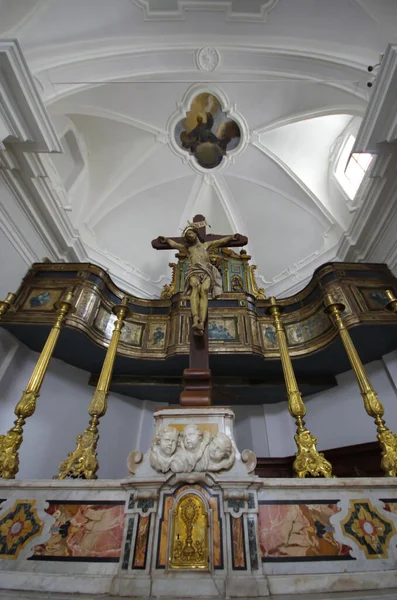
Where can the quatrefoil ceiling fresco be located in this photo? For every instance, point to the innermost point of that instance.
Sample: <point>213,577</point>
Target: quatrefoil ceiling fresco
<point>206,132</point>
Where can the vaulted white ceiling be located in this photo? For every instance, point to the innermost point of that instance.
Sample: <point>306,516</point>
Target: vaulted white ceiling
<point>115,76</point>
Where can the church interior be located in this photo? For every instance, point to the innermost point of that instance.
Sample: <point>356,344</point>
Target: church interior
<point>198,299</point>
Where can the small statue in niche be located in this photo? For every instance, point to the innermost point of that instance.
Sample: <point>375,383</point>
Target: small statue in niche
<point>192,444</point>
<point>163,448</point>
<point>237,284</point>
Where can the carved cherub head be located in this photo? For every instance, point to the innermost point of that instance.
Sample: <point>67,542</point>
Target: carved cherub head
<point>166,439</point>
<point>192,436</point>
<point>220,448</point>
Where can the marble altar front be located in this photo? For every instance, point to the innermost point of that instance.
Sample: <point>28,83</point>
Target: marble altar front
<point>197,522</point>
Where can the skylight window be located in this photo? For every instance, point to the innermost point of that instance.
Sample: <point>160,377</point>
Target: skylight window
<point>351,168</point>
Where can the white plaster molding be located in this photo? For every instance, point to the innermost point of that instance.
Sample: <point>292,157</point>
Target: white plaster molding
<point>380,119</point>
<point>41,202</point>
<point>226,107</point>
<point>369,233</point>
<point>22,112</point>
<point>175,10</point>
<point>14,234</point>
<point>207,59</point>
<point>113,60</point>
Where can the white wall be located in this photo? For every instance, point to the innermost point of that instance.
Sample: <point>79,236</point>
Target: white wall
<point>61,414</point>
<point>337,416</point>
<point>250,429</point>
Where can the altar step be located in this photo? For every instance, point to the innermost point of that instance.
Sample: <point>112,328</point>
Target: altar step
<point>358,595</point>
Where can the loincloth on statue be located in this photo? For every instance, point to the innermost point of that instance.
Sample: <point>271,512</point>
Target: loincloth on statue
<point>202,272</point>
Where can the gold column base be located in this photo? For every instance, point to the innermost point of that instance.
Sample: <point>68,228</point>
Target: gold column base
<point>388,444</point>
<point>308,460</point>
<point>11,442</point>
<point>9,446</point>
<point>83,462</point>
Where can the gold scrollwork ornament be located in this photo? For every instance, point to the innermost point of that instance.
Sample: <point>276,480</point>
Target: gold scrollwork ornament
<point>169,289</point>
<point>82,463</point>
<point>308,461</point>
<point>6,304</point>
<point>258,292</point>
<point>388,444</point>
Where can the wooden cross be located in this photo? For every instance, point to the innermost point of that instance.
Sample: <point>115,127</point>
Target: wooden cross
<point>200,224</point>
<point>197,390</point>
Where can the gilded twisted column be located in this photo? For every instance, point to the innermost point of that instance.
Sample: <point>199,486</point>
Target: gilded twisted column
<point>308,461</point>
<point>387,440</point>
<point>83,462</point>
<point>6,304</point>
<point>392,304</point>
<point>11,442</point>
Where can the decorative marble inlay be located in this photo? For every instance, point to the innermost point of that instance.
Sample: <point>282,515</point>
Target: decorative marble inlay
<point>253,549</point>
<point>239,562</point>
<point>290,531</point>
<point>251,500</point>
<point>368,528</point>
<point>127,545</point>
<point>236,504</point>
<point>17,526</point>
<point>84,531</point>
<point>145,504</point>
<point>142,535</point>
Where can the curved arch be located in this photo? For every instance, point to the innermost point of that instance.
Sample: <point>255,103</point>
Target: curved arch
<point>338,109</point>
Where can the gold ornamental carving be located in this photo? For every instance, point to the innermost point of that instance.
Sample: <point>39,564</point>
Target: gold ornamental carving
<point>11,442</point>
<point>392,301</point>
<point>258,292</point>
<point>169,289</point>
<point>373,406</point>
<point>83,462</point>
<point>308,461</point>
<point>189,534</point>
<point>6,304</point>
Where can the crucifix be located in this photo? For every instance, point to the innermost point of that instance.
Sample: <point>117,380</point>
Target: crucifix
<point>202,280</point>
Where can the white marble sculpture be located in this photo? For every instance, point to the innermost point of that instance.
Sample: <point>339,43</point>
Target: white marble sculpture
<point>191,450</point>
<point>163,448</point>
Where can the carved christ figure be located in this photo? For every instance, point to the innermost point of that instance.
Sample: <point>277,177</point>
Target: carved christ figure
<point>202,279</point>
